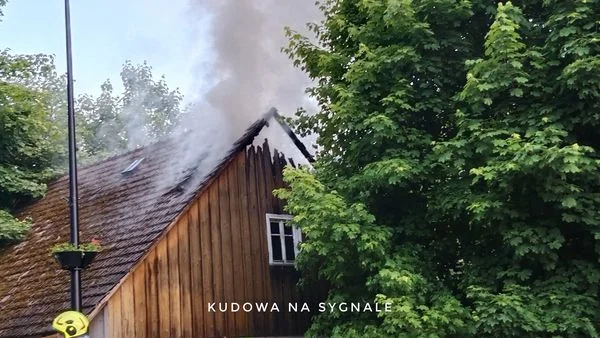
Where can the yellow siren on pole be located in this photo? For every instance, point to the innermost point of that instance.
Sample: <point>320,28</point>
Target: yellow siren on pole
<point>71,324</point>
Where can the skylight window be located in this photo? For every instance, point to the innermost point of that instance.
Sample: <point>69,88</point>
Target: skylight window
<point>132,166</point>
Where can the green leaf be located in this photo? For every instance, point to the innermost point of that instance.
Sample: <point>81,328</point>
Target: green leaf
<point>569,202</point>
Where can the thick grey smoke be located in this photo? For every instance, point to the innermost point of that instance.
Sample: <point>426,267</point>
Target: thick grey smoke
<point>246,71</point>
<point>244,74</point>
<point>249,71</point>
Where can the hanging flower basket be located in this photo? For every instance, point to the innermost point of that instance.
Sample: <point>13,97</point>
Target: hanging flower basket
<point>72,257</point>
<point>70,260</point>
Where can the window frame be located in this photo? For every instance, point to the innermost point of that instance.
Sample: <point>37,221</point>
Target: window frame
<point>282,219</point>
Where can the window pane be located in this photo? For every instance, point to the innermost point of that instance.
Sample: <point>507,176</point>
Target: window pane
<point>274,228</point>
<point>289,248</point>
<point>276,248</point>
<point>287,229</point>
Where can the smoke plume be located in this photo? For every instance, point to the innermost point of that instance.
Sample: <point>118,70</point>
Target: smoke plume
<point>247,74</point>
<point>248,69</point>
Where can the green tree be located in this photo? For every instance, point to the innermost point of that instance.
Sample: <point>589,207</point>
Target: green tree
<point>29,136</point>
<point>458,173</point>
<point>148,104</point>
<point>101,129</point>
<point>146,111</point>
<point>29,139</point>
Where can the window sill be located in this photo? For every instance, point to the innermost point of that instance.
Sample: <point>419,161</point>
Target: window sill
<point>282,266</point>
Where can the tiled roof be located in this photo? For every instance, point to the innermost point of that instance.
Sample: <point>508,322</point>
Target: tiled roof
<point>126,213</point>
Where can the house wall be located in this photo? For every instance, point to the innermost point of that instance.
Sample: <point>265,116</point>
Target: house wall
<point>216,252</point>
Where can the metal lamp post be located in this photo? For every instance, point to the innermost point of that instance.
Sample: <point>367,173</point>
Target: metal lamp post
<point>73,193</point>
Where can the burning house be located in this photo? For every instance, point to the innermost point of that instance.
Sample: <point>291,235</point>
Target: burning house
<point>172,248</point>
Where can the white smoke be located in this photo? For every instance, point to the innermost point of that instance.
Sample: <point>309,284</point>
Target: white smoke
<point>246,71</point>
<point>135,123</point>
<point>240,72</point>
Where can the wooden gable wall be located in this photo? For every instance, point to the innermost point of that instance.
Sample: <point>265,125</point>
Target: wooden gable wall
<point>215,252</point>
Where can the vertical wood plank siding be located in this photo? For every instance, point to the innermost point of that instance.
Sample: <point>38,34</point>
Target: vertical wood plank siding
<point>217,252</point>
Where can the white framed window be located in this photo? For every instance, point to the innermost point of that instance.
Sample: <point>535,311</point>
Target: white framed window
<point>283,239</point>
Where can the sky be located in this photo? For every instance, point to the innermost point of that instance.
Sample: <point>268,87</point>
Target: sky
<point>108,32</point>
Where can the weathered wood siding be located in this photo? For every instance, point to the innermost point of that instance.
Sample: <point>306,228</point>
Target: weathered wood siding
<point>216,252</point>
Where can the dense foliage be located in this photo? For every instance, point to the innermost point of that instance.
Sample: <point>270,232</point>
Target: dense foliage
<point>29,140</point>
<point>459,170</point>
